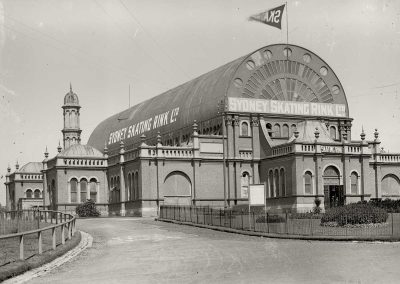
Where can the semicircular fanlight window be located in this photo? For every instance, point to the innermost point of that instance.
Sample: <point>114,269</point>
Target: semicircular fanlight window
<point>287,80</point>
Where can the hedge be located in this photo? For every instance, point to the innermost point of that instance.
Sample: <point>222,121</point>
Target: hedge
<point>391,206</point>
<point>355,213</point>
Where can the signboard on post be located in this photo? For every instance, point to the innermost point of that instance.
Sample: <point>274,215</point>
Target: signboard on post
<point>257,194</point>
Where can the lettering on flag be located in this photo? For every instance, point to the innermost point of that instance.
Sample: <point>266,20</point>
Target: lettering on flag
<point>272,17</point>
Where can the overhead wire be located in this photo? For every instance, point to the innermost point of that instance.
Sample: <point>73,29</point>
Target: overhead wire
<point>76,51</point>
<point>152,38</point>
<point>130,37</point>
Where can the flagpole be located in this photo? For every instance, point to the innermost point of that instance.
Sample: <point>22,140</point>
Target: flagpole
<point>287,25</point>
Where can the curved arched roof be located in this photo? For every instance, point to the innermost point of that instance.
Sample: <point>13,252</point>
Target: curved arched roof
<point>78,150</point>
<point>31,167</point>
<point>267,73</point>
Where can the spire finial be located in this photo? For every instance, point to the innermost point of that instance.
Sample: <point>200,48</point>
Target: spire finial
<point>17,165</point>
<point>59,147</point>
<point>362,135</point>
<point>70,87</point>
<point>46,153</point>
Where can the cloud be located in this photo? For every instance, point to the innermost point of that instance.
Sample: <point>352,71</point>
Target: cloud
<point>7,91</point>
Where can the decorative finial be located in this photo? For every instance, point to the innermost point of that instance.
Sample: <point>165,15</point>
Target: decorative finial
<point>158,139</point>
<point>105,150</point>
<point>376,134</point>
<point>70,87</point>
<point>296,133</point>
<point>121,147</point>
<point>17,165</point>
<point>9,168</point>
<point>316,133</point>
<point>362,135</point>
<point>46,153</point>
<point>143,140</point>
<point>59,147</point>
<point>195,128</point>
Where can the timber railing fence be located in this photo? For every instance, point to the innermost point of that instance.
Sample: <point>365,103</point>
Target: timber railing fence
<point>302,224</point>
<point>25,232</point>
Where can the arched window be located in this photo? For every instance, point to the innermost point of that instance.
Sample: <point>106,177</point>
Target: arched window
<point>282,180</point>
<point>308,183</point>
<point>244,183</point>
<point>74,190</point>
<point>332,132</point>
<point>285,131</point>
<point>129,187</point>
<point>117,192</point>
<point>132,186</point>
<point>37,193</point>
<point>276,131</point>
<point>137,185</point>
<point>29,193</point>
<point>271,183</point>
<point>277,188</point>
<point>269,129</point>
<point>244,129</point>
<point>84,186</point>
<point>354,183</point>
<point>93,189</point>
<point>292,129</point>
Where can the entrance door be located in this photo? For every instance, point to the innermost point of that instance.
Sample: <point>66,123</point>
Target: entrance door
<point>333,196</point>
<point>333,191</point>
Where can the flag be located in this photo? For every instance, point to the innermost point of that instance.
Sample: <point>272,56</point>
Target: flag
<point>272,17</point>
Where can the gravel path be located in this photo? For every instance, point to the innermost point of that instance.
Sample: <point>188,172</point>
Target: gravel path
<point>136,250</point>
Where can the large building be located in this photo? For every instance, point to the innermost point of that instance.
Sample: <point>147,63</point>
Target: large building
<point>277,116</point>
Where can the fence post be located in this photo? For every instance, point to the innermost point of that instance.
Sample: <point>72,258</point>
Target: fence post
<point>286,224</point>
<point>230,219</point>
<point>56,218</point>
<point>220,217</point>
<point>21,247</point>
<point>392,223</point>
<point>40,242</point>
<point>254,221</point>
<point>204,215</point>
<point>241,216</point>
<point>38,220</point>
<point>62,234</point>
<point>53,236</point>
<point>311,228</point>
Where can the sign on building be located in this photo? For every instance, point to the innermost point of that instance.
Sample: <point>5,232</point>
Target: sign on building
<point>285,107</point>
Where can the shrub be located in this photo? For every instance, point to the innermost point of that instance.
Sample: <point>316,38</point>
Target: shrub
<point>317,209</point>
<point>355,213</point>
<point>391,206</point>
<point>306,215</point>
<point>271,219</point>
<point>87,209</point>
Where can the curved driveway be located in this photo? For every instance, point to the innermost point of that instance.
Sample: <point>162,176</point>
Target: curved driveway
<point>135,250</point>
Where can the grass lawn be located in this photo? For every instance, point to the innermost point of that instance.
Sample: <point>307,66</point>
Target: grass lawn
<point>9,248</point>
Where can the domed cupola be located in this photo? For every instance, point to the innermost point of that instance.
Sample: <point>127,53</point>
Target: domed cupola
<point>71,99</point>
<point>71,131</point>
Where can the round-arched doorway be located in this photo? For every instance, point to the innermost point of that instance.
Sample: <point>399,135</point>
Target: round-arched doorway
<point>177,189</point>
<point>333,189</point>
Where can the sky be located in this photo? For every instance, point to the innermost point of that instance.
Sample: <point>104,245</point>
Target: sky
<point>103,46</point>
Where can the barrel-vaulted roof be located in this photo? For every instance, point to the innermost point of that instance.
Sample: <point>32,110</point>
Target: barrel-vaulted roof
<point>275,72</point>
